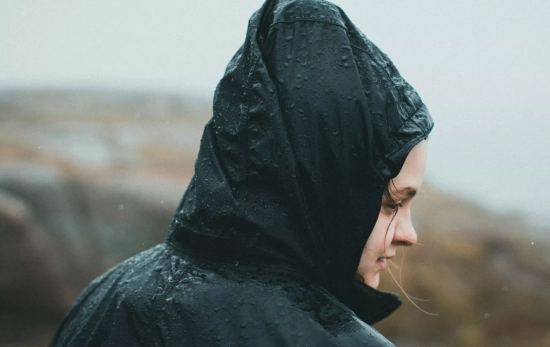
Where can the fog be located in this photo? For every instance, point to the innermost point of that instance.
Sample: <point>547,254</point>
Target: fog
<point>481,67</point>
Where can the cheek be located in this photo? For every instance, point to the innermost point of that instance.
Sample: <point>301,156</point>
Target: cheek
<point>379,237</point>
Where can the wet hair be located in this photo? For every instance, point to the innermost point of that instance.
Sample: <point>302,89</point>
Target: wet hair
<point>388,190</point>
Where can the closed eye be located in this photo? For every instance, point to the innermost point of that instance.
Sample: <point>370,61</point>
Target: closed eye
<point>395,206</point>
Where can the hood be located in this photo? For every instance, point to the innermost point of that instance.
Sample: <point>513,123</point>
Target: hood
<point>310,121</point>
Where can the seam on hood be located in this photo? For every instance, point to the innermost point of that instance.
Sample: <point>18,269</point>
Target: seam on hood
<point>245,113</point>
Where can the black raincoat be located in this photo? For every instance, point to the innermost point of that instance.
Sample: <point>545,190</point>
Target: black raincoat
<point>310,122</point>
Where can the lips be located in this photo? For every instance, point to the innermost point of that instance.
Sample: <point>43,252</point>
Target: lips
<point>382,263</point>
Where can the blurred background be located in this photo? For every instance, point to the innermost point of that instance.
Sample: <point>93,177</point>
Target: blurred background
<point>102,106</point>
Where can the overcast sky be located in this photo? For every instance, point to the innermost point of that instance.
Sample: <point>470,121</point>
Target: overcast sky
<point>482,67</point>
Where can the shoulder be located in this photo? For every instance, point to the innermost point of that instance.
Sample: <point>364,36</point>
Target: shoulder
<point>280,309</point>
<point>163,298</point>
<point>108,310</point>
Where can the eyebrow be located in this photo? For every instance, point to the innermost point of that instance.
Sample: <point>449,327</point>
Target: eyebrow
<point>409,191</point>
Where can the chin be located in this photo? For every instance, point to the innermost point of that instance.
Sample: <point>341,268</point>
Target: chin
<point>373,281</point>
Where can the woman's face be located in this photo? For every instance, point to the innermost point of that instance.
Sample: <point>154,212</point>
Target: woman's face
<point>389,234</point>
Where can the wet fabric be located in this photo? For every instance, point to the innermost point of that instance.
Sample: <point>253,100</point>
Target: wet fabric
<point>310,121</point>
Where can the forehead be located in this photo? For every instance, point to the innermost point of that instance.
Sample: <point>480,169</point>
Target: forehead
<point>411,175</point>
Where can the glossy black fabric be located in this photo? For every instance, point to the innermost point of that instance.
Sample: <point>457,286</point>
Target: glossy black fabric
<point>310,122</point>
<point>165,297</point>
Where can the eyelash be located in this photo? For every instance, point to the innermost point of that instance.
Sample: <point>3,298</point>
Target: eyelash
<point>394,207</point>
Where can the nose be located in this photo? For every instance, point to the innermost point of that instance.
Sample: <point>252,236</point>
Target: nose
<point>405,234</point>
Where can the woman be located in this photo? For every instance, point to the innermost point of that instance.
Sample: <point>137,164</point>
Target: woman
<point>287,206</point>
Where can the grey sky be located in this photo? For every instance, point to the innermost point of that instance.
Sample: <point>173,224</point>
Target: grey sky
<point>482,67</point>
